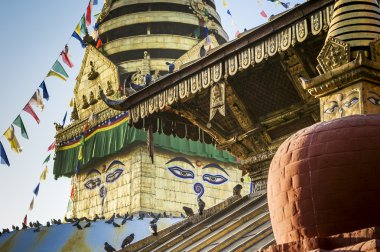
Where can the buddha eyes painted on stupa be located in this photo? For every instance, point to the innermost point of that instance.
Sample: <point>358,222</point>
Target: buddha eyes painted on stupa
<point>340,105</point>
<point>112,173</point>
<point>183,168</point>
<point>374,98</point>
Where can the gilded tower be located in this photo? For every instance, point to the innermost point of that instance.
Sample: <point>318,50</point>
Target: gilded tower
<point>143,35</point>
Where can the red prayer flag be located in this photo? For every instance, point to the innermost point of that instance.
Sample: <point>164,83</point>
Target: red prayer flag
<point>85,127</point>
<point>72,193</point>
<point>28,109</point>
<point>88,14</point>
<point>52,146</point>
<point>237,34</point>
<point>263,14</point>
<point>66,59</point>
<point>99,44</point>
<point>25,220</point>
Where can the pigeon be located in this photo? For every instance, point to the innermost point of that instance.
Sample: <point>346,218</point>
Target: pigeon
<point>124,219</point>
<point>87,225</point>
<point>165,215</point>
<point>84,219</point>
<point>130,217</point>
<point>153,227</point>
<point>115,224</point>
<point>17,228</point>
<point>201,206</point>
<point>128,240</point>
<point>31,224</point>
<point>38,224</point>
<point>48,224</point>
<point>237,190</point>
<point>75,223</point>
<point>78,226</point>
<point>183,216</point>
<point>111,219</point>
<point>171,67</point>
<point>24,226</point>
<point>96,218</point>
<point>108,247</point>
<point>13,227</point>
<point>1,234</point>
<point>69,220</point>
<point>188,211</point>
<point>141,216</point>
<point>118,216</point>
<point>59,222</point>
<point>37,230</point>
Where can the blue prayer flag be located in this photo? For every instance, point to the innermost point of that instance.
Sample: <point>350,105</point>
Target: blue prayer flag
<point>78,37</point>
<point>64,119</point>
<point>229,13</point>
<point>95,2</point>
<point>35,191</point>
<point>3,156</point>
<point>45,92</point>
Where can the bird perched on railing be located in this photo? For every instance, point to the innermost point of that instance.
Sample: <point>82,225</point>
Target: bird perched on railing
<point>111,219</point>
<point>24,226</point>
<point>237,190</point>
<point>171,67</point>
<point>128,240</point>
<point>188,211</point>
<point>153,226</point>
<point>141,216</point>
<point>108,247</point>
<point>87,225</point>
<point>201,206</point>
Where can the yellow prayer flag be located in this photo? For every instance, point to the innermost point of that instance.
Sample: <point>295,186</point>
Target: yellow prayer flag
<point>72,103</point>
<point>11,137</point>
<point>224,3</point>
<point>52,73</point>
<point>44,173</point>
<point>77,29</point>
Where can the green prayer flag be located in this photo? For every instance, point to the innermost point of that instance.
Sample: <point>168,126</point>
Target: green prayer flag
<point>83,27</point>
<point>57,67</point>
<point>19,123</point>
<point>46,159</point>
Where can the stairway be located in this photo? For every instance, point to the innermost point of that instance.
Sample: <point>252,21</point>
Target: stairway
<point>242,226</point>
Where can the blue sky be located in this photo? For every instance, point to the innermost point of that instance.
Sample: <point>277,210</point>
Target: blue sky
<point>33,34</point>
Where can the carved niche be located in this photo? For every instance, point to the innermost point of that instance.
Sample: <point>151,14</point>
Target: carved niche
<point>334,54</point>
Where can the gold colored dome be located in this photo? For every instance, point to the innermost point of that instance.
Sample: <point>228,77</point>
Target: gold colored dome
<point>356,22</point>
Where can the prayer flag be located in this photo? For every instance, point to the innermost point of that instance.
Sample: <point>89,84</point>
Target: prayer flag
<point>31,205</point>
<point>25,222</point>
<point>52,73</point>
<point>96,16</point>
<point>225,3</point>
<point>263,14</point>
<point>99,43</point>
<point>19,123</point>
<point>52,146</point>
<point>45,93</point>
<point>83,28</point>
<point>77,169</point>
<point>28,109</point>
<point>78,29</point>
<point>80,153</point>
<point>36,190</point>
<point>43,174</point>
<point>197,32</point>
<point>57,67</point>
<point>64,120</point>
<point>85,127</point>
<point>88,14</point>
<point>237,34</point>
<point>95,2</point>
<point>72,193</point>
<point>229,13</point>
<point>285,5</point>
<point>3,155</point>
<point>66,59</point>
<point>11,137</point>
<point>46,159</point>
<point>37,100</point>
<point>95,34</point>
<point>78,37</point>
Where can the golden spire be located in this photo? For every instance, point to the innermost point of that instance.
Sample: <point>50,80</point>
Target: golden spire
<point>356,22</point>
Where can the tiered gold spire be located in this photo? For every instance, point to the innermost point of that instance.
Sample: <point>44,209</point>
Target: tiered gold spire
<point>355,22</point>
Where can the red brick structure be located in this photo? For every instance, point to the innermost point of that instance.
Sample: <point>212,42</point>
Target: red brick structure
<point>325,180</point>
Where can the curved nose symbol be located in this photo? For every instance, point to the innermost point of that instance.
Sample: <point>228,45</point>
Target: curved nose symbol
<point>199,189</point>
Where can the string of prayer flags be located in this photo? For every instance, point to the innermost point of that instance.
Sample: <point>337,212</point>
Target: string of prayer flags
<point>47,159</point>
<point>37,189</point>
<point>44,174</point>
<point>58,68</point>
<point>11,137</point>
<point>51,73</point>
<point>52,146</point>
<point>88,13</point>
<point>31,205</point>
<point>76,34</point>
<point>3,155</point>
<point>37,100</point>
<point>19,123</point>
<point>45,93</point>
<point>28,109</point>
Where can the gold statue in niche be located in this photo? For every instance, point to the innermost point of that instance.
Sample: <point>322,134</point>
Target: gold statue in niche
<point>340,104</point>
<point>92,75</point>
<point>109,90</point>
<point>85,102</point>
<point>93,100</point>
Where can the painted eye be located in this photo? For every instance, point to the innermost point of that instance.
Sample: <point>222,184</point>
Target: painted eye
<point>332,109</point>
<point>113,176</point>
<point>374,101</point>
<point>351,102</point>
<point>214,179</point>
<point>92,183</point>
<point>181,173</point>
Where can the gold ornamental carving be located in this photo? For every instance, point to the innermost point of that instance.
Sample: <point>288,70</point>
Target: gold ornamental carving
<point>334,54</point>
<point>184,91</point>
<point>316,23</point>
<point>375,50</point>
<point>301,31</point>
<point>218,99</point>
